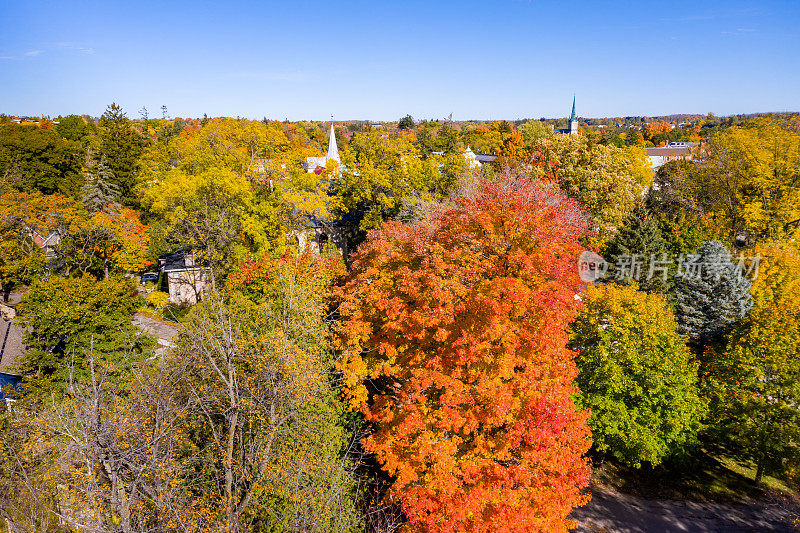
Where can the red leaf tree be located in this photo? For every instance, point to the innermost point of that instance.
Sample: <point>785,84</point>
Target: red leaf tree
<point>453,335</point>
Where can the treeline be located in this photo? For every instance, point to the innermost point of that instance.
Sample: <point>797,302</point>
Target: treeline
<point>443,368</point>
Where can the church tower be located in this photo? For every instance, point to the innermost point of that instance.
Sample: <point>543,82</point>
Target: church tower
<point>573,119</point>
<point>333,150</point>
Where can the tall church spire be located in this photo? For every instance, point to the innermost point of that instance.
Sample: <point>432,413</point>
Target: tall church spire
<point>333,151</point>
<point>572,117</point>
<point>572,126</point>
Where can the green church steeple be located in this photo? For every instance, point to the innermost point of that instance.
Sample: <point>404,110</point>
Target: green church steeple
<point>572,117</point>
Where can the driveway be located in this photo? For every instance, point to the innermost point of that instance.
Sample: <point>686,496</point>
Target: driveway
<point>163,331</point>
<point>612,511</point>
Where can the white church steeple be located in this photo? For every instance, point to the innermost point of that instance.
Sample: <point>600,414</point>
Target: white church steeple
<point>317,164</point>
<point>333,151</point>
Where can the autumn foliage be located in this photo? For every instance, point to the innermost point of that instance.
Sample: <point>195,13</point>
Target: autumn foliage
<point>453,334</point>
<point>651,129</point>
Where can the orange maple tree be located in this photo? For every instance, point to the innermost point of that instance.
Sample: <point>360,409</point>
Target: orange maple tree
<point>651,129</point>
<point>453,334</point>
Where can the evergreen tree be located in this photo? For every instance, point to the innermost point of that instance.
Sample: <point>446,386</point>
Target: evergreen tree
<point>640,240</point>
<point>711,294</point>
<point>406,123</point>
<point>100,189</point>
<point>122,145</point>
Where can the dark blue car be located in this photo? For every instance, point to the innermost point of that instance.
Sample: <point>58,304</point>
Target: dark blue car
<point>150,277</point>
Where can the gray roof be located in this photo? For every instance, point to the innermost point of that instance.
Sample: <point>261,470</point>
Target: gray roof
<point>12,344</point>
<point>177,261</point>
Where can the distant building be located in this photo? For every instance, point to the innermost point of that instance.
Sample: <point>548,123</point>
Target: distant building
<point>471,159</point>
<point>317,164</point>
<point>47,243</point>
<point>485,158</point>
<point>676,144</point>
<point>186,278</point>
<point>572,125</point>
<point>665,154</point>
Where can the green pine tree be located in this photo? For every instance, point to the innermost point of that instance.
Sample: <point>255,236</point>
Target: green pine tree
<point>122,145</point>
<point>100,189</point>
<point>711,295</point>
<point>640,237</point>
<point>406,123</point>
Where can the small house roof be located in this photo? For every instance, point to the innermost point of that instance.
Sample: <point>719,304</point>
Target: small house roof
<point>669,150</point>
<point>177,261</point>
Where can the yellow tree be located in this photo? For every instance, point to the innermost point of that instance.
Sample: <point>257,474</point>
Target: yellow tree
<point>112,241</point>
<point>237,144</point>
<point>766,158</point>
<point>606,180</point>
<point>754,383</point>
<point>255,162</point>
<point>748,180</point>
<point>204,211</point>
<point>380,174</point>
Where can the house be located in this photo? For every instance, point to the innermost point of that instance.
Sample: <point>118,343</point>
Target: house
<point>186,278</point>
<point>47,243</point>
<point>477,160</point>
<point>665,154</point>
<point>676,144</point>
<point>473,160</point>
<point>485,158</point>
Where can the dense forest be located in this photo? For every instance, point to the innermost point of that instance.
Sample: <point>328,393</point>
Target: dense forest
<point>401,339</point>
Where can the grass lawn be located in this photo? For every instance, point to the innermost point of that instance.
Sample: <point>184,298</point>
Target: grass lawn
<point>708,476</point>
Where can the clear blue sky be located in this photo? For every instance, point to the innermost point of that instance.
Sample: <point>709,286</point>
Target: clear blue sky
<point>380,60</point>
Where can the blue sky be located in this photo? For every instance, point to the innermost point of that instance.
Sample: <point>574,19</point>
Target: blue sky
<point>380,60</point>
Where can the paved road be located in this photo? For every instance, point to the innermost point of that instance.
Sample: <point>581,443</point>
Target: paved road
<point>611,511</point>
<point>163,331</point>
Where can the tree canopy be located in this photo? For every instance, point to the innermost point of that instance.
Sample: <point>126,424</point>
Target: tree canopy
<point>453,334</point>
<point>754,379</point>
<point>637,377</point>
<point>606,180</point>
